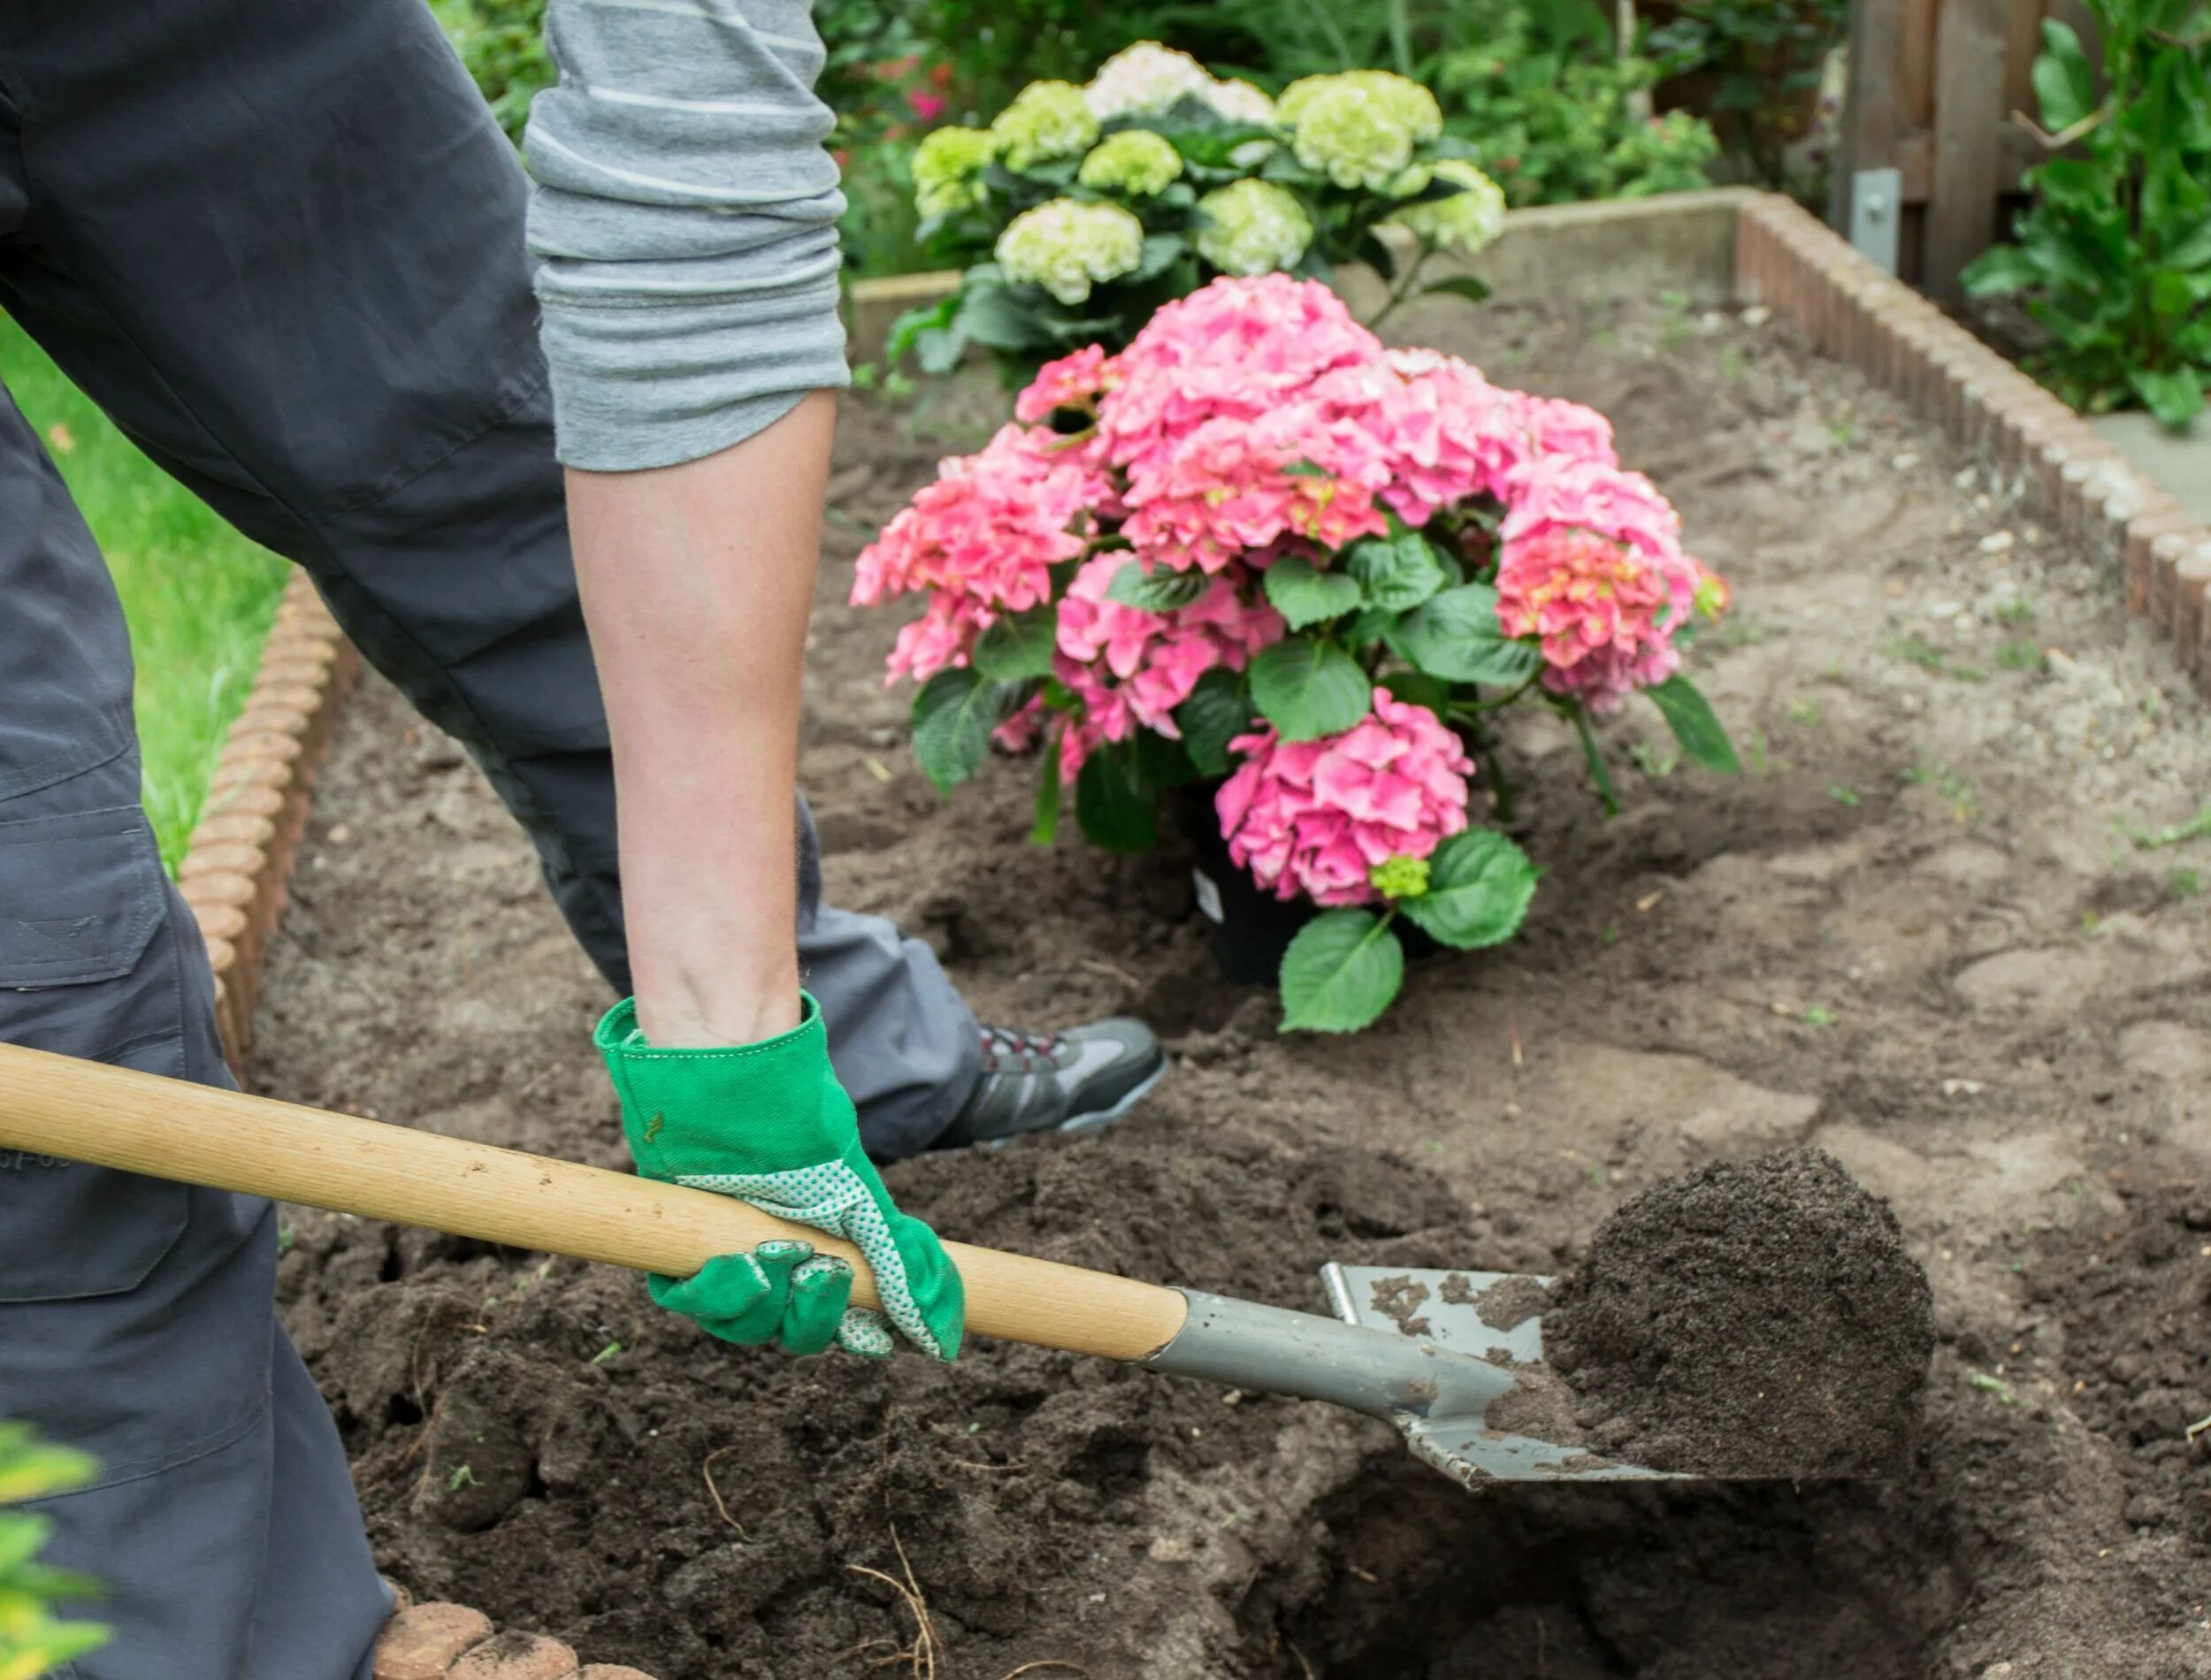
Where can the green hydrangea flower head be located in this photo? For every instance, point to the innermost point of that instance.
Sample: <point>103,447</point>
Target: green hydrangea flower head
<point>948,167</point>
<point>1047,120</point>
<point>1252,226</point>
<point>1136,162</point>
<point>1404,98</point>
<point>1400,877</point>
<point>1067,248</point>
<point>1406,182</point>
<point>1465,221</point>
<point>1359,126</point>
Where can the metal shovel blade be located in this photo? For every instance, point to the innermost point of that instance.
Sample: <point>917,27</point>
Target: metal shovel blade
<point>1444,1311</point>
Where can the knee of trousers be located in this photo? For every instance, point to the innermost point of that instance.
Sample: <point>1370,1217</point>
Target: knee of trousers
<point>135,1312</point>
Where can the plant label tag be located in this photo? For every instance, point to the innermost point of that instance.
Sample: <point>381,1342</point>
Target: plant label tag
<point>1208,896</point>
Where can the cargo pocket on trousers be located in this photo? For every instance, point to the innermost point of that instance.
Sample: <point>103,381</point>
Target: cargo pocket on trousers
<point>82,898</point>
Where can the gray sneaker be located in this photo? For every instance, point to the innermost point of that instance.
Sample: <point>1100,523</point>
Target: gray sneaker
<point>1078,1081</point>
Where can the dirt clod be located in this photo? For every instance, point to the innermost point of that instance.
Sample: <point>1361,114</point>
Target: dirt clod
<point>1399,1300</point>
<point>1505,1304</point>
<point>1755,1319</point>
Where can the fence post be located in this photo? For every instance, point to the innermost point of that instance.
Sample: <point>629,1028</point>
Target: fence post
<point>1970,120</point>
<point>1873,107</point>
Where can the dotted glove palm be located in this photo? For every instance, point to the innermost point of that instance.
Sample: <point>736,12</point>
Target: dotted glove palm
<point>768,1123</point>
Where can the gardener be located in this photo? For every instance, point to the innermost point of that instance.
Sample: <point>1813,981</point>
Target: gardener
<point>282,243</point>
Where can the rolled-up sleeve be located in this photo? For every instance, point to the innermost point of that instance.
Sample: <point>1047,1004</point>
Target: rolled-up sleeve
<point>684,225</point>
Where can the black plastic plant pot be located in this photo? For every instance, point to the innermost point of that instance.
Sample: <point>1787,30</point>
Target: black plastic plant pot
<point>1250,930</point>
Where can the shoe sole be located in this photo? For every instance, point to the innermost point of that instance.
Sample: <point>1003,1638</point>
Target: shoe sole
<point>1098,1119</point>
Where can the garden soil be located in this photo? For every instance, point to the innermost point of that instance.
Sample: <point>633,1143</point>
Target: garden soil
<point>1948,927</point>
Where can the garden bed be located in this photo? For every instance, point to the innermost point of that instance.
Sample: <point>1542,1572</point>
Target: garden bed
<point>1920,932</point>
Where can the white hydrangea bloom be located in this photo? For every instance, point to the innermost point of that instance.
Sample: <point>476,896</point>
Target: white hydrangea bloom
<point>1240,101</point>
<point>1046,121</point>
<point>1067,248</point>
<point>1144,80</point>
<point>1252,226</point>
<point>1464,222</point>
<point>1359,126</point>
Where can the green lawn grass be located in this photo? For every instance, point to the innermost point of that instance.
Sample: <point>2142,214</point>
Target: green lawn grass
<point>199,597</point>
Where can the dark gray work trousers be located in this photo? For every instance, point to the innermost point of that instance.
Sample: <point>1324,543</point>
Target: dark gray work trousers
<point>279,242</point>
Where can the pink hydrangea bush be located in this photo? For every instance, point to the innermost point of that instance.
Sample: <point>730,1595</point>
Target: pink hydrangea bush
<point>1257,548</point>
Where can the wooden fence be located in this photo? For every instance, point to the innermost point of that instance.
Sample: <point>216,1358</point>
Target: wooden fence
<point>1933,88</point>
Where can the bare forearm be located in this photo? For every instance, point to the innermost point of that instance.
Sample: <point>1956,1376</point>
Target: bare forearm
<point>696,581</point>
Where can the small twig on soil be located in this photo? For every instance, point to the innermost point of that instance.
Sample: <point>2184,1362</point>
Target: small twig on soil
<point>921,1656</point>
<point>1048,1663</point>
<point>1302,1663</point>
<point>977,1465</point>
<point>2201,1426</point>
<point>706,1471</point>
<point>899,1545</point>
<point>1098,966</point>
<point>924,1650</point>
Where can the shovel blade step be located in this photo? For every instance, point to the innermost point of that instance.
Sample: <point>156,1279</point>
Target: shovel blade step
<point>1447,1309</point>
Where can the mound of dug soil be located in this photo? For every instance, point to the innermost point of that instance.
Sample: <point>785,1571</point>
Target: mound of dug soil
<point>1757,1319</point>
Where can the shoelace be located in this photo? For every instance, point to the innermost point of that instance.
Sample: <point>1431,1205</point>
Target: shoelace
<point>1026,1051</point>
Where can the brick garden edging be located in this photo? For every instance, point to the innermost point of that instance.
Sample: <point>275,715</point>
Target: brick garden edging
<point>1788,260</point>
<point>242,854</point>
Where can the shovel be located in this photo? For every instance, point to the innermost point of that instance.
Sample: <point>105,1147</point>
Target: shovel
<point>1433,1387</point>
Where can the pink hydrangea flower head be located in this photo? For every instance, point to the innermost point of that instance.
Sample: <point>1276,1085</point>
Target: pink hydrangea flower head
<point>1569,489</point>
<point>1272,329</point>
<point>1020,732</point>
<point>1233,487</point>
<point>1132,667</point>
<point>1072,382</point>
<point>1605,612</point>
<point>980,541</point>
<point>941,638</point>
<point>1554,426</point>
<point>1314,819</point>
<point>1237,348</point>
<point>1452,434</point>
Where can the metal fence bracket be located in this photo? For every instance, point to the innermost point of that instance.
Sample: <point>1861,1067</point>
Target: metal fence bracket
<point>1877,198</point>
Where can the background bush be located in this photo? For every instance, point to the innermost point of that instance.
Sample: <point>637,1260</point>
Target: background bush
<point>2114,253</point>
<point>1536,87</point>
<point>1555,115</point>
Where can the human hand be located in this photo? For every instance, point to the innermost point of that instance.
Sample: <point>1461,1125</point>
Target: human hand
<point>768,1123</point>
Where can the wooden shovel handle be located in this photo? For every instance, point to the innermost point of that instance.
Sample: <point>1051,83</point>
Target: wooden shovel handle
<point>171,1130</point>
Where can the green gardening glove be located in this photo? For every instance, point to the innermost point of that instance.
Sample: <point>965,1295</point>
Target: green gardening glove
<point>769,1124</point>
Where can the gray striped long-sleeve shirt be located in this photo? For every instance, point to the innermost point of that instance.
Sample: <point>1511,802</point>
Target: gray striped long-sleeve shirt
<point>684,224</point>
